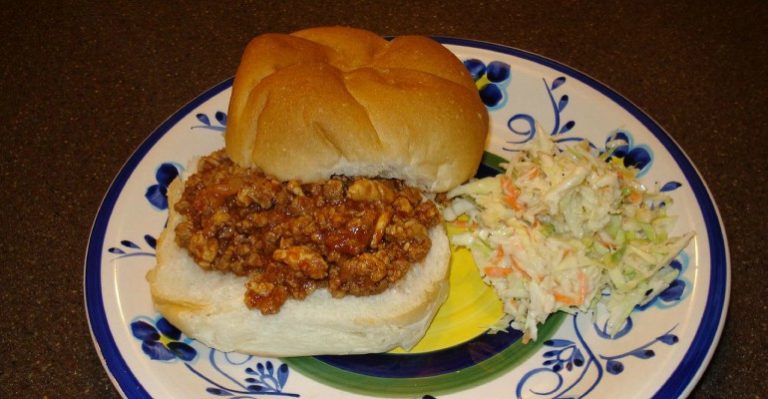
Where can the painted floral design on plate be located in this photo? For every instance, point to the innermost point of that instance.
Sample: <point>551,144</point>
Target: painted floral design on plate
<point>578,358</point>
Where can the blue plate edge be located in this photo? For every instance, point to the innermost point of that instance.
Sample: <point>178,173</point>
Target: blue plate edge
<point>679,384</point>
<point>109,354</point>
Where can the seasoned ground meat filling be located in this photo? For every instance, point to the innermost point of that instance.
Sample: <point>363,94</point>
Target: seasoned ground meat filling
<point>350,235</point>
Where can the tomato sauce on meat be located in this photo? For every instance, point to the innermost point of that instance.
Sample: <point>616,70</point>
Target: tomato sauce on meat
<point>353,236</point>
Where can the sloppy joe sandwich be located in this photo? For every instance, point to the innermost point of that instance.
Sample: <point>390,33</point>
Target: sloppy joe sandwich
<point>314,230</point>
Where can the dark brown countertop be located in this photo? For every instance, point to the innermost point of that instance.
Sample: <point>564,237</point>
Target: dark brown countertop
<point>82,86</point>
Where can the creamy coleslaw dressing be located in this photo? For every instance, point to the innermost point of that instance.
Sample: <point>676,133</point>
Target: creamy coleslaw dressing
<point>563,230</point>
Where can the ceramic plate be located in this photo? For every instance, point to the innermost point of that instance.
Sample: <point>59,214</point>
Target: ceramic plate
<point>660,352</point>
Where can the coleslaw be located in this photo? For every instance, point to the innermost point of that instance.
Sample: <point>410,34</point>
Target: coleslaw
<point>566,230</point>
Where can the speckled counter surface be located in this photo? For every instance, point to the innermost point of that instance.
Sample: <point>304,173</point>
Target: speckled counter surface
<point>82,86</point>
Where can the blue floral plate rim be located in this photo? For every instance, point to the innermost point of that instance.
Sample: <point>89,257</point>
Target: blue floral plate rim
<point>679,383</point>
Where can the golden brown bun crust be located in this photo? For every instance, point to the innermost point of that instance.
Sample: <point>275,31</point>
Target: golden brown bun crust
<point>337,100</point>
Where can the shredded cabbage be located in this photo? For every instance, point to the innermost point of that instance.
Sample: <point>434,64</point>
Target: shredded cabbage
<point>564,231</point>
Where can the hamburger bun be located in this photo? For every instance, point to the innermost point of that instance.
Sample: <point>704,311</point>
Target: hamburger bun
<point>306,106</point>
<point>208,306</point>
<point>336,100</point>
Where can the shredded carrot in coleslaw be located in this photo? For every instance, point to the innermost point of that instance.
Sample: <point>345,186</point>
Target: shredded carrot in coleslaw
<point>559,228</point>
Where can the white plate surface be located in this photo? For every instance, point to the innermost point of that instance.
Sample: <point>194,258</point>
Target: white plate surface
<point>662,353</point>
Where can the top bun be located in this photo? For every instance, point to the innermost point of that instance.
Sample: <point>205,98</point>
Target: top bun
<point>336,100</point>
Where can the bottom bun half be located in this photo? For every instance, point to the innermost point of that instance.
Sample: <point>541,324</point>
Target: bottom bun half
<point>209,306</point>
